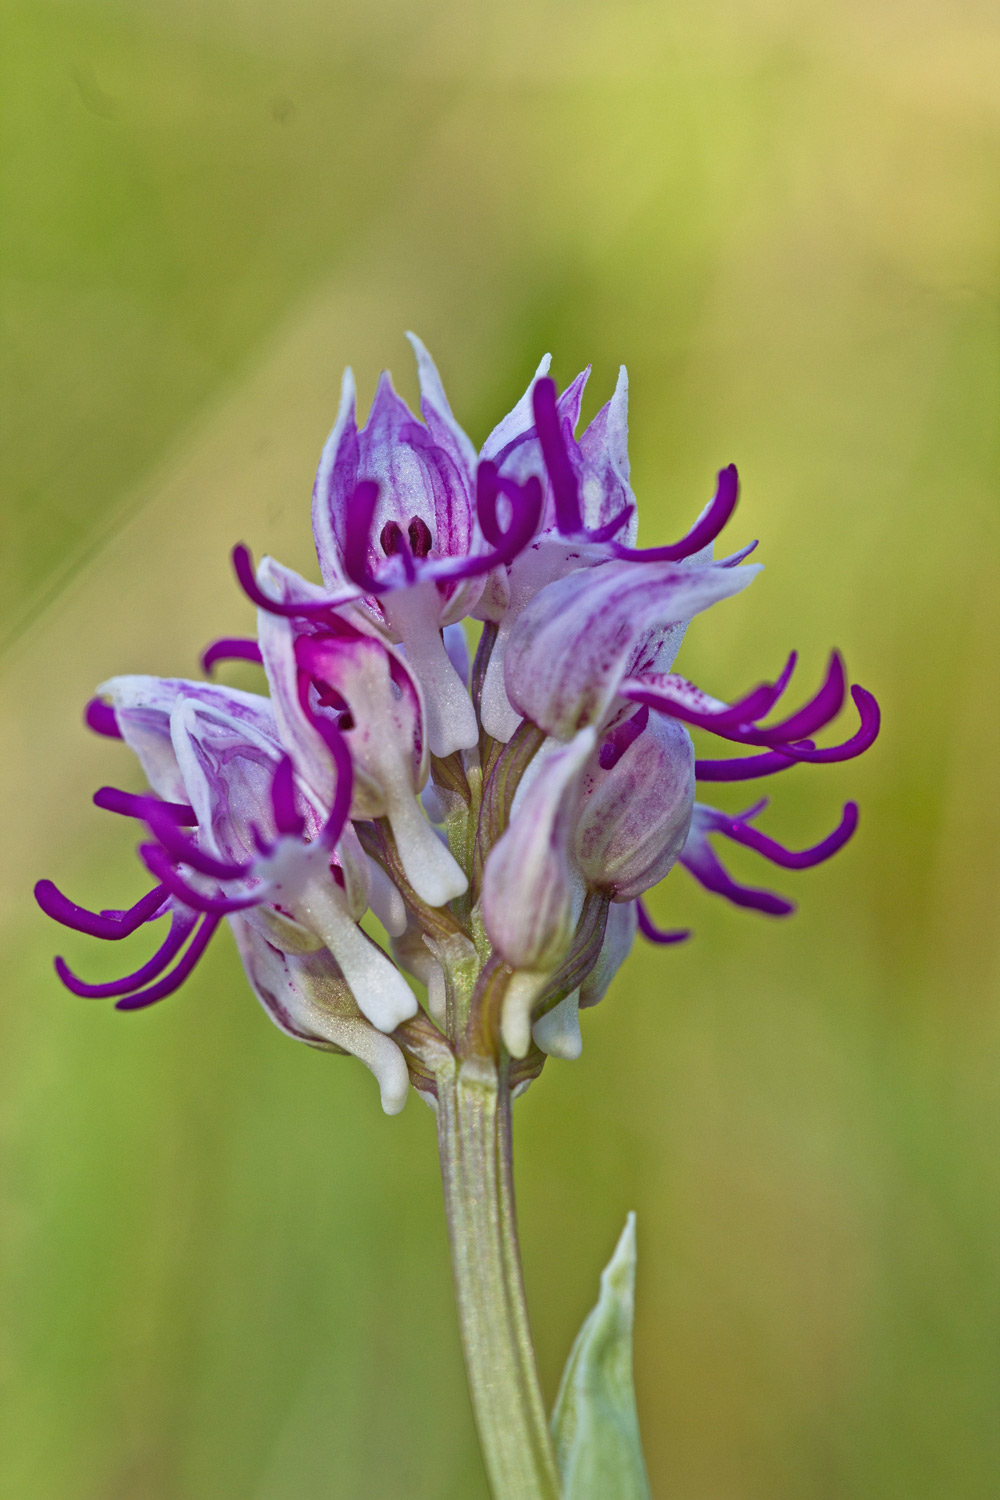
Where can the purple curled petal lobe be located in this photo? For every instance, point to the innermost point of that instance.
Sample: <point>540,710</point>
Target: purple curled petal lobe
<point>736,722</point>
<point>360,513</point>
<point>340,755</point>
<point>133,805</point>
<point>181,925</point>
<point>740,555</point>
<point>702,862</point>
<point>230,648</point>
<point>705,529</point>
<point>610,529</point>
<point>291,609</point>
<point>100,717</point>
<point>745,767</point>
<point>98,924</point>
<point>791,859</point>
<point>173,981</point>
<point>814,715</point>
<point>555,454</point>
<point>662,935</point>
<point>618,739</point>
<point>862,739</point>
<point>526,501</point>
<point>674,695</point>
<point>287,818</point>
<point>182,850</point>
<point>157,861</point>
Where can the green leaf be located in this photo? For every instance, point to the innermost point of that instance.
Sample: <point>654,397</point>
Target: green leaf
<point>594,1424</point>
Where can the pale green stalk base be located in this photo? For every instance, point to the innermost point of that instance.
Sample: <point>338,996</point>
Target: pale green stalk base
<point>473,1116</point>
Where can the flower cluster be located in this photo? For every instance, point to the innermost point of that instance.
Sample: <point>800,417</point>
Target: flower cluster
<point>500,822</point>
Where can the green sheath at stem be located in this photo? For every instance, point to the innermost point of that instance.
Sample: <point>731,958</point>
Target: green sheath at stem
<point>474,1140</point>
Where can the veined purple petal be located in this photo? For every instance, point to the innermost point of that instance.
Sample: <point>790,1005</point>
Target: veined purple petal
<point>583,635</point>
<point>654,934</point>
<point>100,717</point>
<point>287,818</point>
<point>608,504</point>
<point>791,859</point>
<point>173,981</point>
<point>705,529</point>
<point>230,648</point>
<point>54,904</point>
<point>180,927</point>
<point>135,805</point>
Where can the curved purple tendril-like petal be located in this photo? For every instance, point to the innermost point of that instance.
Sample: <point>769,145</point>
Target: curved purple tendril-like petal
<point>618,739</point>
<point>739,556</point>
<point>99,924</point>
<point>173,981</point>
<point>343,766</point>
<point>739,715</point>
<point>610,529</point>
<point>662,935</point>
<point>305,609</point>
<point>861,740</point>
<point>705,530</point>
<point>526,513</point>
<point>287,818</point>
<point>230,648</point>
<point>709,871</point>
<point>100,717</point>
<point>157,861</point>
<point>555,454</point>
<point>360,512</point>
<point>791,859</point>
<point>566,492</point>
<point>746,767</point>
<point>183,849</point>
<point>816,714</point>
<point>137,804</point>
<point>181,924</point>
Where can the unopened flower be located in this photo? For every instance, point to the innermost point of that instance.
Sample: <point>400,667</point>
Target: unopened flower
<point>500,822</point>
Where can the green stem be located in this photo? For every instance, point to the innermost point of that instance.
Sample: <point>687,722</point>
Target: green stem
<point>474,1141</point>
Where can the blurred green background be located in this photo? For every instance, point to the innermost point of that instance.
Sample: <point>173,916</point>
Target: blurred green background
<point>225,1272</point>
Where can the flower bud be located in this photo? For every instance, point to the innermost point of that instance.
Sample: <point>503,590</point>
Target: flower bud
<point>531,893</point>
<point>635,813</point>
<point>529,887</point>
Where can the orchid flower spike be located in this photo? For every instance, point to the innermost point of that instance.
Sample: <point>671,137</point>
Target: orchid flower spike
<point>382,806</point>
